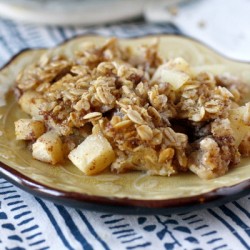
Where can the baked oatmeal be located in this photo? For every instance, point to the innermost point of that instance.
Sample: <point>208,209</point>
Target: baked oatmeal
<point>106,107</point>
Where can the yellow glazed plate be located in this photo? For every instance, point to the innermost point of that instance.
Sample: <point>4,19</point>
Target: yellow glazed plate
<point>124,193</point>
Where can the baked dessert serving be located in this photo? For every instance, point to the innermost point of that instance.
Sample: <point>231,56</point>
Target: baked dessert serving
<point>115,107</point>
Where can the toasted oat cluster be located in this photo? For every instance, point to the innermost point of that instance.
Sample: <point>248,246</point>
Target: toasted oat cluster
<point>106,107</point>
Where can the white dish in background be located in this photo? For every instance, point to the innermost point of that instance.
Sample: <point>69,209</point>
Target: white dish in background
<point>74,12</point>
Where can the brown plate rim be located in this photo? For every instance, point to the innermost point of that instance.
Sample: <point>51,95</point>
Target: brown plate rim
<point>40,188</point>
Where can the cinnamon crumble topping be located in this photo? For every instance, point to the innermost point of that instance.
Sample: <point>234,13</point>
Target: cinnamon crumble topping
<point>153,115</point>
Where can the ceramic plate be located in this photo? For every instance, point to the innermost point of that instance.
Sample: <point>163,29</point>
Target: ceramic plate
<point>59,12</point>
<point>132,192</point>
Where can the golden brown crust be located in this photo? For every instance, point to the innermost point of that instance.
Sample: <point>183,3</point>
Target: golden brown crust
<point>153,124</point>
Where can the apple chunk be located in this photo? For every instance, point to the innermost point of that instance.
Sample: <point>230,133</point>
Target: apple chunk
<point>28,129</point>
<point>48,148</point>
<point>30,103</point>
<point>93,155</point>
<point>175,71</point>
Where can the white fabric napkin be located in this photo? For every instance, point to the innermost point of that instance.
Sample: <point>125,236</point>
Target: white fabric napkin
<point>223,25</point>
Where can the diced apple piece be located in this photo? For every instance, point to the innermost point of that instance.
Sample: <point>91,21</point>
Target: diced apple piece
<point>176,78</point>
<point>240,121</point>
<point>176,72</point>
<point>30,103</point>
<point>179,64</point>
<point>28,129</point>
<point>93,155</point>
<point>48,148</point>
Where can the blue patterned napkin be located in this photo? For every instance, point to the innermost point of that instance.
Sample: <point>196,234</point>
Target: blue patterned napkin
<point>27,222</point>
